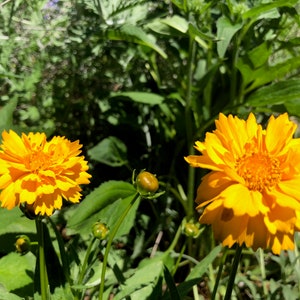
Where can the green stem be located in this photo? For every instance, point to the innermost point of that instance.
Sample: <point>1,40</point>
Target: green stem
<point>178,259</point>
<point>236,260</point>
<point>213,295</point>
<point>62,251</point>
<point>84,266</point>
<point>174,242</point>
<point>233,77</point>
<point>190,126</point>
<point>110,240</point>
<point>263,270</point>
<point>85,262</point>
<point>297,266</point>
<point>176,194</point>
<point>42,261</point>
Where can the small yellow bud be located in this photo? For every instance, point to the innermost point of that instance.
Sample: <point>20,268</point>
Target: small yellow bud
<point>100,230</point>
<point>146,183</point>
<point>22,244</point>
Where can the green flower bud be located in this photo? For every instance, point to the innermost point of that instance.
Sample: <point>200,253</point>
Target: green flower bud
<point>146,183</point>
<point>22,244</point>
<point>100,230</point>
<point>191,229</point>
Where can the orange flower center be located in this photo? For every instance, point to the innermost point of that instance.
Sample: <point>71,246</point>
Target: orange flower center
<point>38,161</point>
<point>260,171</point>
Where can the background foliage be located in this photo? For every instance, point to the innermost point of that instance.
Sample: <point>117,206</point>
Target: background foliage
<point>137,82</point>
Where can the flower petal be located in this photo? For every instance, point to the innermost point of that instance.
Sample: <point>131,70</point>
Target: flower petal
<point>279,132</point>
<point>241,200</point>
<point>212,185</point>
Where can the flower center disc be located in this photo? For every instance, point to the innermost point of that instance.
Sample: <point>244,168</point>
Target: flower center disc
<point>259,171</point>
<point>39,161</point>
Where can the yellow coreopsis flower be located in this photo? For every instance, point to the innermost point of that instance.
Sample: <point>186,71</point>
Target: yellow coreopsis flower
<point>38,173</point>
<point>252,194</point>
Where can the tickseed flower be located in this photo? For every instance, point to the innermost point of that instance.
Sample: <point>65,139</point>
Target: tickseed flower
<point>252,194</point>
<point>40,174</point>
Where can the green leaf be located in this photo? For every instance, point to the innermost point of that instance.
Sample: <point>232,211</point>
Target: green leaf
<point>198,36</point>
<point>141,97</point>
<point>4,294</point>
<point>111,213</point>
<point>266,74</point>
<point>163,29</point>
<point>197,272</point>
<point>134,34</point>
<point>142,283</point>
<point>20,222</point>
<point>260,11</point>
<point>171,284</point>
<point>16,271</point>
<point>91,208</point>
<point>6,114</point>
<point>293,107</point>
<point>225,31</point>
<point>110,151</point>
<point>260,55</point>
<point>10,230</point>
<point>282,92</point>
<point>176,22</point>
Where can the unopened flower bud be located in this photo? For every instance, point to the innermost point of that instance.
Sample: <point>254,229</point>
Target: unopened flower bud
<point>100,230</point>
<point>22,244</point>
<point>146,183</point>
<point>191,229</point>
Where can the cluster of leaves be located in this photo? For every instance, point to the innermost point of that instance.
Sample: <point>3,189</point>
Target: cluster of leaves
<point>137,82</point>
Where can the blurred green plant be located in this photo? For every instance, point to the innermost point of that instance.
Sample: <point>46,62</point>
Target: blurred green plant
<point>138,82</point>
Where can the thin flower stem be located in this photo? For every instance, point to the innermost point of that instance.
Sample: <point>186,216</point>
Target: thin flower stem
<point>297,266</point>
<point>213,295</point>
<point>84,265</point>
<point>110,240</point>
<point>176,194</point>
<point>263,271</point>
<point>236,260</point>
<point>180,255</point>
<point>189,126</point>
<point>174,242</point>
<point>42,261</point>
<point>85,262</point>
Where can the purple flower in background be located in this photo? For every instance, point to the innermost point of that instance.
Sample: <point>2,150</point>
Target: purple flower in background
<point>51,8</point>
<point>51,4</point>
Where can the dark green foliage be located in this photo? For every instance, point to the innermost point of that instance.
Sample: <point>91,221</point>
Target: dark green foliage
<point>137,82</point>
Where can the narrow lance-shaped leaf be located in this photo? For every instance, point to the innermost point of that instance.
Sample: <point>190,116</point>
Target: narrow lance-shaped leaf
<point>134,34</point>
<point>6,114</point>
<point>225,32</point>
<point>197,272</point>
<point>258,11</point>
<point>141,97</point>
<point>278,93</point>
<point>266,74</point>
